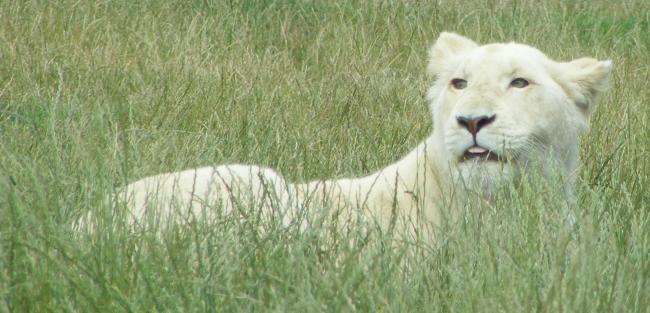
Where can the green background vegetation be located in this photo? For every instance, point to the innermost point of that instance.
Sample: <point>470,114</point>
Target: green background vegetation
<point>94,94</point>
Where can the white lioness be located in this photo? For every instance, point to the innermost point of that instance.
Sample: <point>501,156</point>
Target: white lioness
<point>496,108</point>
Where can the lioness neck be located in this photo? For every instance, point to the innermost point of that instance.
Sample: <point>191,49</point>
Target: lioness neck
<point>409,188</point>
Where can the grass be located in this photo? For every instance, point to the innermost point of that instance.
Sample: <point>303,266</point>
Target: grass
<point>94,94</point>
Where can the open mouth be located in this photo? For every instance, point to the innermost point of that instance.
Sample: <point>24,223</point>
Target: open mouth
<point>478,153</point>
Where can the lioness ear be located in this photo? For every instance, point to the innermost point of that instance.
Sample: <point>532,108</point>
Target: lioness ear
<point>447,45</point>
<point>584,79</point>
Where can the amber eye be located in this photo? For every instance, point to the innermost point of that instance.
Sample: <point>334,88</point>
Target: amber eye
<point>458,83</point>
<point>519,83</point>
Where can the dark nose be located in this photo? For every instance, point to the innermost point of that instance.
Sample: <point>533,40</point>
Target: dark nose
<point>475,123</point>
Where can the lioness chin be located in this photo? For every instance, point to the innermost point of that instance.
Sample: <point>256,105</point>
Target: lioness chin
<point>496,109</point>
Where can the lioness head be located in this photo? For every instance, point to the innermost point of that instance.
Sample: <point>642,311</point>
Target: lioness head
<point>500,108</point>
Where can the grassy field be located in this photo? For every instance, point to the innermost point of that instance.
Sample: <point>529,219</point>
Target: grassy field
<point>94,94</point>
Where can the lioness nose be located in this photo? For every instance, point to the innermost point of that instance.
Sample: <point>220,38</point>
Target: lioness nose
<point>474,123</point>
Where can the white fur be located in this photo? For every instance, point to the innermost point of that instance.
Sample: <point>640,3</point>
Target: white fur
<point>539,123</point>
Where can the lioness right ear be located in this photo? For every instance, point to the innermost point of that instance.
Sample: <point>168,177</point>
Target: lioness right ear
<point>448,45</point>
<point>584,79</point>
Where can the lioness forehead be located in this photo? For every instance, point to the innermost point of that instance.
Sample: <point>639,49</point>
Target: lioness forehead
<point>512,49</point>
<point>502,58</point>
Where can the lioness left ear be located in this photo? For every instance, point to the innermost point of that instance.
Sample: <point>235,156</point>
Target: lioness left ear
<point>447,46</point>
<point>584,79</point>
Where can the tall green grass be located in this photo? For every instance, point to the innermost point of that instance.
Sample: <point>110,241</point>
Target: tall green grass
<point>94,94</point>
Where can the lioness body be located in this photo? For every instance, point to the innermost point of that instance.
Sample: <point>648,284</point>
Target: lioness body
<point>208,192</point>
<point>496,109</point>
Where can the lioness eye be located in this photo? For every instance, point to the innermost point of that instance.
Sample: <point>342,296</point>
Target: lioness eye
<point>519,83</point>
<point>458,83</point>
